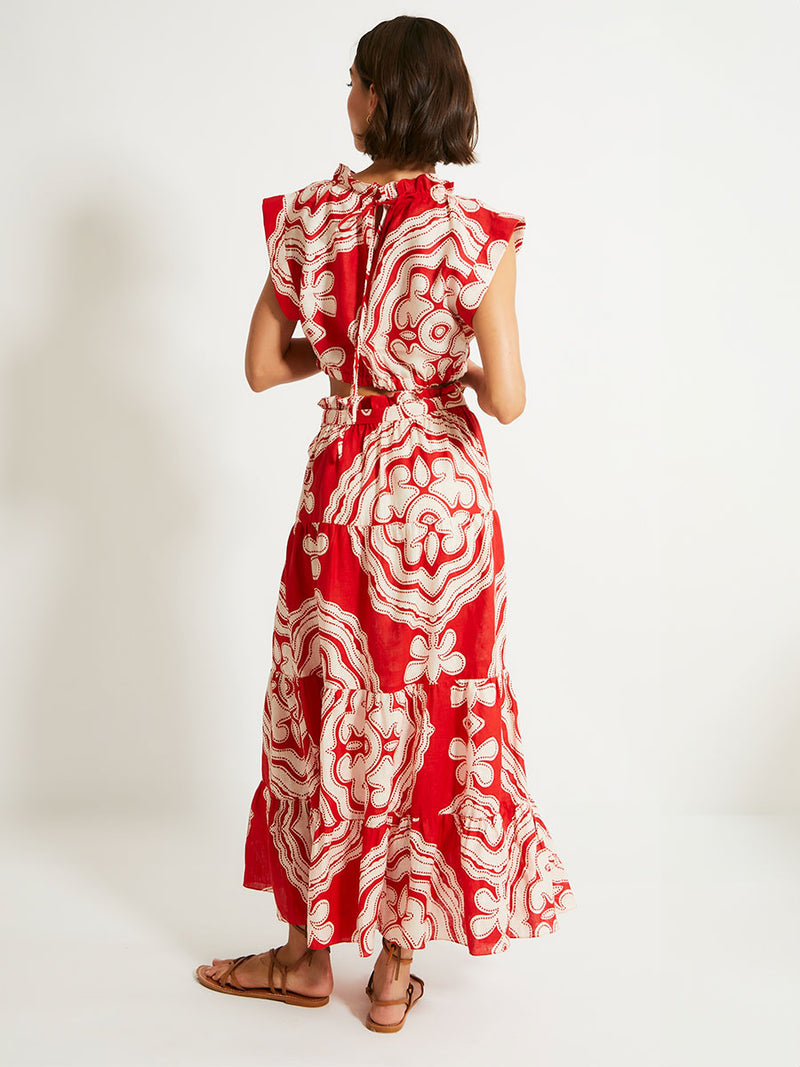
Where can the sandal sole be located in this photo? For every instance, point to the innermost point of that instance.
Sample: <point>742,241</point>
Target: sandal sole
<point>260,992</point>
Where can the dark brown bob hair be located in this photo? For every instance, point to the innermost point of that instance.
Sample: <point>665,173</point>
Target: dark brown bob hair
<point>425,112</point>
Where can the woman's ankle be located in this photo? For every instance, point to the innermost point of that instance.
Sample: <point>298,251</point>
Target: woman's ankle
<point>393,968</point>
<point>297,944</point>
<point>395,950</point>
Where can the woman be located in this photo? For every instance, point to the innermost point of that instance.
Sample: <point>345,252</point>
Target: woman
<point>393,797</point>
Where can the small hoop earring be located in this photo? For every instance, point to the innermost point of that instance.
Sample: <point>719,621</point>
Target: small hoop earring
<point>369,118</point>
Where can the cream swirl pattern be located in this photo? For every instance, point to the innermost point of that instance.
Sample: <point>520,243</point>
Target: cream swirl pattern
<point>393,795</point>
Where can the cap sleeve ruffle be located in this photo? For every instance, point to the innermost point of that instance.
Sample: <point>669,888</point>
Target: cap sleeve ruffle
<point>496,230</point>
<point>285,271</point>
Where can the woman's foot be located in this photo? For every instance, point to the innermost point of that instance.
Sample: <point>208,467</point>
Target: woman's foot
<point>387,984</point>
<point>313,977</point>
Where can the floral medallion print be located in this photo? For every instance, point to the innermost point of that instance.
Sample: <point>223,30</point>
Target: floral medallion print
<point>393,795</point>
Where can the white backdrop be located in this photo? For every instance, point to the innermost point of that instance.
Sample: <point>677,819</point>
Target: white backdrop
<point>648,495</point>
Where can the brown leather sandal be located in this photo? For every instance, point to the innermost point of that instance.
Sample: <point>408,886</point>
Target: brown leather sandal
<point>227,983</point>
<point>394,951</point>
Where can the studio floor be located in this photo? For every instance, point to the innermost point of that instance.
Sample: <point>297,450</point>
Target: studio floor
<point>684,950</point>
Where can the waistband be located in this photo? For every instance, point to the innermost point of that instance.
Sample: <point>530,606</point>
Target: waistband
<point>404,404</point>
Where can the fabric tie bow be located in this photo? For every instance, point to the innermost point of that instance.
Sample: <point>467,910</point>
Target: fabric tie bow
<point>382,195</point>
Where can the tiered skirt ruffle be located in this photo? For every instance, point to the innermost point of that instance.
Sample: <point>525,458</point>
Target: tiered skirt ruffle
<point>393,796</point>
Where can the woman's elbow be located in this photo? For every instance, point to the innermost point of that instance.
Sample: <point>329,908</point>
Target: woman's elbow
<point>256,382</point>
<point>259,371</point>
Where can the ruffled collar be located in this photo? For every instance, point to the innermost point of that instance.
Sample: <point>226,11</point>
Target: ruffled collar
<point>424,182</point>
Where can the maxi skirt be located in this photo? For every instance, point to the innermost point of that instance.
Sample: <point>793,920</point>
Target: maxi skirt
<point>393,798</point>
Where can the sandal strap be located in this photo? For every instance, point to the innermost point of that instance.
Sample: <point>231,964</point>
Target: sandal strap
<point>283,968</point>
<point>272,964</point>
<point>395,952</point>
<point>225,978</point>
<point>402,1000</point>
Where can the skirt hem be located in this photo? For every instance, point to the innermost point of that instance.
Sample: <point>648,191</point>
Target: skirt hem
<point>565,902</point>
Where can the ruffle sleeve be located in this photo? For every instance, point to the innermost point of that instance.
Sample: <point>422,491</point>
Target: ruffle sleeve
<point>285,271</point>
<point>495,229</point>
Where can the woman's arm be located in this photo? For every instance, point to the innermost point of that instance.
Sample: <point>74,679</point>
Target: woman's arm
<point>273,356</point>
<point>498,380</point>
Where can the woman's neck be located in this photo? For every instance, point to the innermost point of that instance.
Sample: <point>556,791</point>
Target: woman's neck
<point>383,171</point>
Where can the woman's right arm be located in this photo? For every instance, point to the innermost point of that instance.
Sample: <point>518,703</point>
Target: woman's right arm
<point>498,380</point>
<point>273,356</point>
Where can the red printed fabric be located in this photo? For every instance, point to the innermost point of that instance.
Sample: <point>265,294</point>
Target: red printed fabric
<point>393,796</point>
<point>435,253</point>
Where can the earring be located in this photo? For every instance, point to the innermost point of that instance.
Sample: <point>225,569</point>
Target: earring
<point>369,118</point>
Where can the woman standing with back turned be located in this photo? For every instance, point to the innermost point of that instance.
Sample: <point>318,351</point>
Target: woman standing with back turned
<point>393,798</point>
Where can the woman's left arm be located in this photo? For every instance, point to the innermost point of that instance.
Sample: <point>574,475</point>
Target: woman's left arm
<point>273,356</point>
